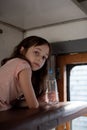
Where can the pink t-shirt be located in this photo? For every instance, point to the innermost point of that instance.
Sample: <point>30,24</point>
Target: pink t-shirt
<point>9,84</point>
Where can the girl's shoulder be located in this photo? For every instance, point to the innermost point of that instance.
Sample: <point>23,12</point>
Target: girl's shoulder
<point>18,62</point>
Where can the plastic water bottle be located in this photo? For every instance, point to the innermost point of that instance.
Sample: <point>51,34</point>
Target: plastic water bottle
<point>52,90</point>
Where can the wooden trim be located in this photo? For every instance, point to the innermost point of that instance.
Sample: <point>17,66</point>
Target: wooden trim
<point>61,62</point>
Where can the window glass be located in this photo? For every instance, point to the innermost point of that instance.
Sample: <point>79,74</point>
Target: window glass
<point>78,92</point>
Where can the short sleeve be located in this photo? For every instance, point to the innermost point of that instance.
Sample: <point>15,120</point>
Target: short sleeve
<point>21,66</point>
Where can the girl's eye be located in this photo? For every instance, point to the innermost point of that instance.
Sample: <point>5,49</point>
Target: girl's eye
<point>44,58</point>
<point>36,53</point>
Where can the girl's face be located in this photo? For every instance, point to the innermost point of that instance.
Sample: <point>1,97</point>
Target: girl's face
<point>37,55</point>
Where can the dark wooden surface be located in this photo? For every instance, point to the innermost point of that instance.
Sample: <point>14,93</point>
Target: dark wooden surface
<point>43,118</point>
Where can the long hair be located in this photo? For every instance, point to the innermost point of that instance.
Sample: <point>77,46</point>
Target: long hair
<point>38,77</point>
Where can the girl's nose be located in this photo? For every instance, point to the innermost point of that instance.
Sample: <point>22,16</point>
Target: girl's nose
<point>40,59</point>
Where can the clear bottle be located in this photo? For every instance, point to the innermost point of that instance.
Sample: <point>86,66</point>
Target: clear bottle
<point>52,90</point>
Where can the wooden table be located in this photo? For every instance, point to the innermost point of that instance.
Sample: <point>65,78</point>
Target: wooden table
<point>43,118</point>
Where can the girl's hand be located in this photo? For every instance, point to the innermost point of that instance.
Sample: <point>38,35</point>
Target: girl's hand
<point>42,98</point>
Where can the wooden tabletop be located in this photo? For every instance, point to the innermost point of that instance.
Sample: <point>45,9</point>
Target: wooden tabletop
<point>43,118</point>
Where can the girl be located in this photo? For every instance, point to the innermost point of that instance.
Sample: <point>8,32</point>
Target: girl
<point>24,73</point>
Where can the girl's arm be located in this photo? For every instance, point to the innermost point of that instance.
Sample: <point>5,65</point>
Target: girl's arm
<point>27,88</point>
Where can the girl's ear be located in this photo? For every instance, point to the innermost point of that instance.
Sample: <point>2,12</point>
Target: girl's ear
<point>22,50</point>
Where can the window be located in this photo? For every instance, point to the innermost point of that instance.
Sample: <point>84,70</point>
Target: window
<point>77,84</point>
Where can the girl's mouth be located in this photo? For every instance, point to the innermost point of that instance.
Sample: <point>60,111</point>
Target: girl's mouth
<point>36,65</point>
